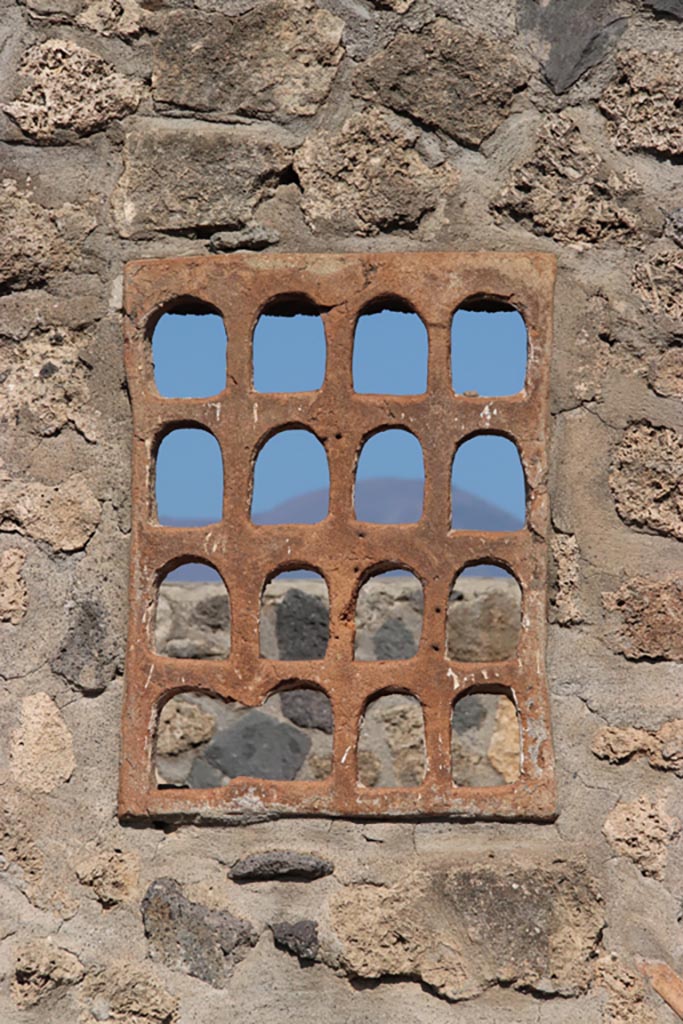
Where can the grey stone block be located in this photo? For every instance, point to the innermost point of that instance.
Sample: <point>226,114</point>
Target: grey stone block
<point>259,747</point>
<point>282,865</point>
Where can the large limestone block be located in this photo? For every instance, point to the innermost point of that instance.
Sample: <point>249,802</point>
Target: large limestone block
<point>186,177</point>
<point>277,61</point>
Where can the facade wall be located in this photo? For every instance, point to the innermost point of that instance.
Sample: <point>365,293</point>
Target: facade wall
<point>131,130</point>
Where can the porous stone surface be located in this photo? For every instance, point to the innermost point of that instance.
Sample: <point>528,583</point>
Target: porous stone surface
<point>643,831</point>
<point>189,937</point>
<point>298,937</point>
<point>276,61</point>
<point>569,190</point>
<point>646,478</point>
<point>643,103</point>
<point>13,591</point>
<point>71,90</point>
<point>463,929</point>
<point>40,969</point>
<point>41,755</point>
<point>257,746</point>
<point>128,993</point>
<point>649,613</point>
<point>176,178</point>
<point>369,177</point>
<point>66,516</point>
<point>658,278</point>
<point>280,864</point>
<point>565,602</point>
<point>663,747</point>
<point>446,77</point>
<point>112,875</point>
<point>182,726</point>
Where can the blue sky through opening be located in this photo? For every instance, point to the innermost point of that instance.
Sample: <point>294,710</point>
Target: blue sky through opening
<point>189,351</point>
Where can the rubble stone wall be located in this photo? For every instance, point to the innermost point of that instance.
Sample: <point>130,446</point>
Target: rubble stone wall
<point>140,128</point>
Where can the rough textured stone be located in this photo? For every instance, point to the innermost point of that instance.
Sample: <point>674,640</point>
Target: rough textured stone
<point>646,479</point>
<point>569,191</point>
<point>40,969</point>
<point>484,619</point>
<point>46,383</point>
<point>298,937</point>
<point>643,103</point>
<point>13,592</point>
<point>65,516</point>
<point>37,242</point>
<point>260,747</point>
<point>73,90</point>
<point>394,640</point>
<point>663,747</point>
<point>503,752</point>
<point>41,755</point>
<point>404,727</point>
<point>276,61</point>
<point>642,831</point>
<point>446,77</point>
<point>87,658</point>
<point>649,614</point>
<point>111,874</point>
<point>280,865</point>
<point>185,178</point>
<point>580,35</point>
<point>658,280</point>
<point>565,601</point>
<point>666,374</point>
<point>398,6</point>
<point>465,929</point>
<point>302,624</point>
<point>128,993</point>
<point>674,8</point>
<point>182,726</point>
<point>189,937</point>
<point>309,709</point>
<point>626,996</point>
<point>368,177</point>
<point>111,17</point>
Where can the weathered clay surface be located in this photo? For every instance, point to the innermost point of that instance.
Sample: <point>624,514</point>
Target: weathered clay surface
<point>72,90</point>
<point>276,61</point>
<point>649,613</point>
<point>662,747</point>
<point>186,936</point>
<point>41,755</point>
<point>464,929</point>
<point>642,104</point>
<point>176,179</point>
<point>447,78</point>
<point>368,177</point>
<point>646,479</point>
<point>569,191</point>
<point>643,831</point>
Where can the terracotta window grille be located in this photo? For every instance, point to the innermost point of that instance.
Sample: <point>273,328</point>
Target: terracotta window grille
<point>343,550</point>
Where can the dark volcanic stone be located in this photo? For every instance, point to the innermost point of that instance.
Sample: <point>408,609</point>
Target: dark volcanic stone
<point>469,714</point>
<point>87,643</point>
<point>213,612</point>
<point>302,624</point>
<point>284,865</point>
<point>189,937</point>
<point>203,775</point>
<point>580,32</point>
<point>394,640</point>
<point>311,709</point>
<point>259,747</point>
<point>298,937</point>
<point>671,7</point>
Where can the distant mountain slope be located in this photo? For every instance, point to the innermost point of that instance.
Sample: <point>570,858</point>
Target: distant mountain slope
<point>386,499</point>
